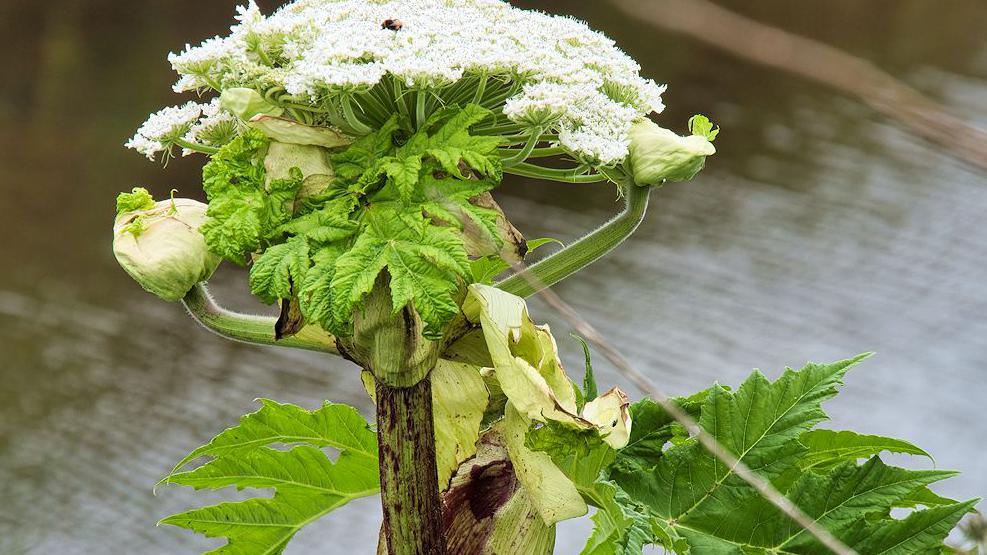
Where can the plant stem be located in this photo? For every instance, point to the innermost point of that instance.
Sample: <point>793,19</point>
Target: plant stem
<point>250,328</point>
<point>392,347</point>
<point>585,251</point>
<point>409,486</point>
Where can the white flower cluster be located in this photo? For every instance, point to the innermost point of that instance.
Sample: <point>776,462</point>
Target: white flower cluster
<point>574,79</point>
<point>215,128</point>
<point>163,128</point>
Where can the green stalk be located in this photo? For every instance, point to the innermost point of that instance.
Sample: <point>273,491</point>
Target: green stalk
<point>553,174</point>
<point>352,120</point>
<point>409,481</point>
<point>521,155</point>
<point>391,346</point>
<point>196,147</point>
<point>585,251</point>
<point>249,328</point>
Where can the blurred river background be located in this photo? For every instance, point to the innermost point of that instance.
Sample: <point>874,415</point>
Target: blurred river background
<point>820,230</point>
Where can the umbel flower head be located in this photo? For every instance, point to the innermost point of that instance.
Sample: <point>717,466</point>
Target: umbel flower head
<point>351,64</point>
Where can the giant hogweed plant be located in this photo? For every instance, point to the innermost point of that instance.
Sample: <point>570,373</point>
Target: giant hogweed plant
<point>352,150</point>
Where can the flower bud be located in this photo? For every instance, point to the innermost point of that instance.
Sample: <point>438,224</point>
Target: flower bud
<point>658,155</point>
<point>161,247</point>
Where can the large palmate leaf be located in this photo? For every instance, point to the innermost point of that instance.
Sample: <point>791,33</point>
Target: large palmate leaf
<point>696,504</point>
<point>306,482</point>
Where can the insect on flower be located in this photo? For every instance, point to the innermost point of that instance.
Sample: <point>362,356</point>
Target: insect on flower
<point>392,24</point>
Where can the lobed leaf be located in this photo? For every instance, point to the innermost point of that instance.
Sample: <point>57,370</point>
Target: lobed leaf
<point>307,484</point>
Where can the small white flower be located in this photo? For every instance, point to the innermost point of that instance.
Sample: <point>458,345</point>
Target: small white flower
<point>216,127</point>
<point>563,73</point>
<point>163,128</point>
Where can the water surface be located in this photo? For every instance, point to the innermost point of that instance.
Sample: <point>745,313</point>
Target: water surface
<point>820,230</point>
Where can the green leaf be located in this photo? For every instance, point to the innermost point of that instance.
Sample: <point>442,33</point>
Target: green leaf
<point>622,527</point>
<point>137,199</point>
<point>391,209</point>
<point>760,424</point>
<point>351,163</point>
<point>405,174</point>
<point>315,296</point>
<point>699,504</point>
<point>427,265</point>
<point>307,483</point>
<point>280,270</point>
<point>579,453</point>
<point>652,429</point>
<point>244,213</point>
<point>828,448</point>
<point>700,125</point>
<point>921,532</point>
<point>589,381</point>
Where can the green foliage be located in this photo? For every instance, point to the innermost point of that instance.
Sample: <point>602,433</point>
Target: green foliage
<point>702,126</point>
<point>665,488</point>
<point>137,199</point>
<point>245,213</point>
<point>307,484</point>
<point>399,203</point>
<point>589,380</point>
<point>828,448</point>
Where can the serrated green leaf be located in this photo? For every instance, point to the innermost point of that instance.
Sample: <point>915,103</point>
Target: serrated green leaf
<point>244,211</point>
<point>280,270</point>
<point>622,527</point>
<point>696,498</point>
<point>760,424</point>
<point>427,265</point>
<point>307,483</point>
<point>351,163</point>
<point>404,173</point>
<point>828,448</point>
<point>922,532</point>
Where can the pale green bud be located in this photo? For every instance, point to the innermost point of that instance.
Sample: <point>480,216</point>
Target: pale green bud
<point>247,103</point>
<point>162,249</point>
<point>658,155</point>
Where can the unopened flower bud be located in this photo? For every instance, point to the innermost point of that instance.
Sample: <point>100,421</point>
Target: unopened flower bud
<point>658,155</point>
<point>160,246</point>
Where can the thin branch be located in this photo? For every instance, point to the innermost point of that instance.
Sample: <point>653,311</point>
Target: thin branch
<point>756,42</point>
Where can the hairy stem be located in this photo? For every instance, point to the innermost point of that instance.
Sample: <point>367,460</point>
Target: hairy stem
<point>585,251</point>
<point>409,483</point>
<point>391,346</point>
<point>249,328</point>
